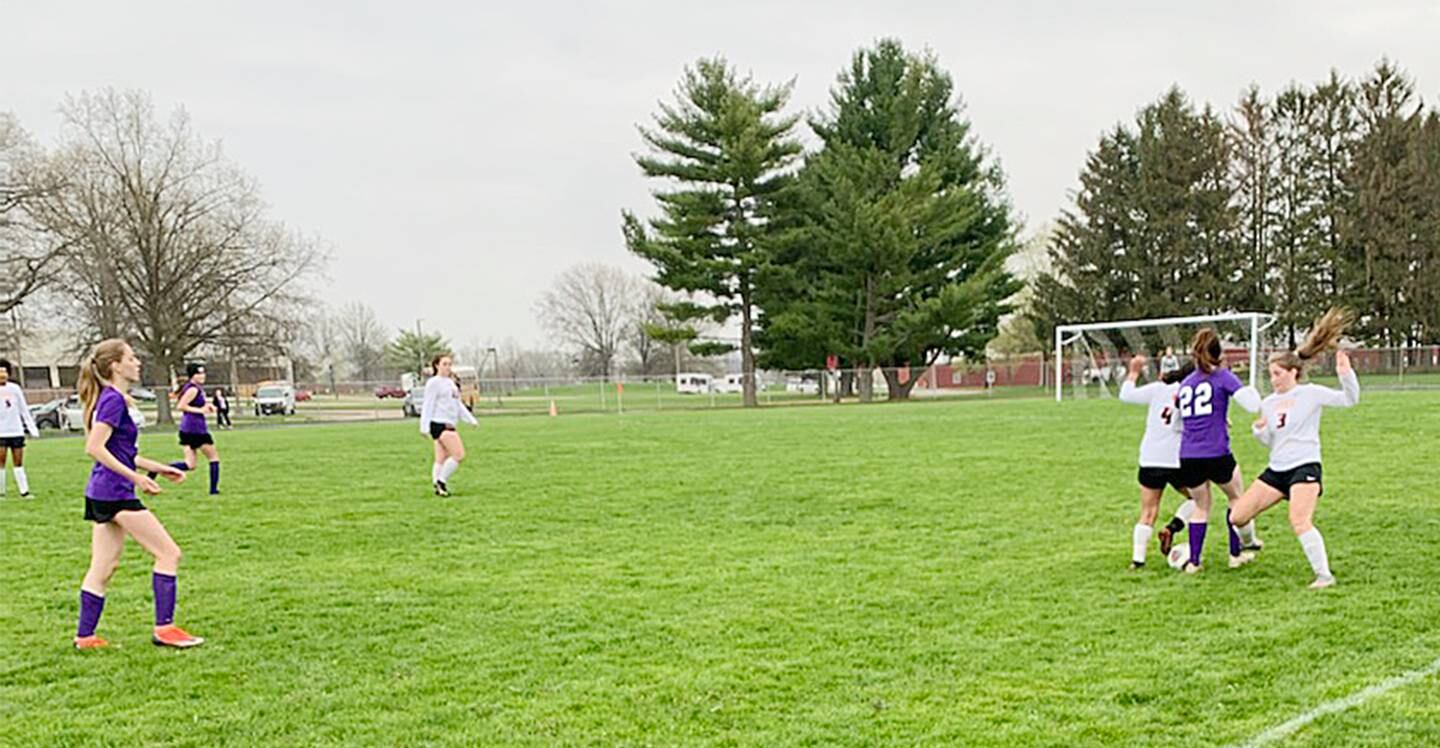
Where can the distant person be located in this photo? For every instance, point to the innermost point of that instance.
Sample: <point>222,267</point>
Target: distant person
<point>1289,424</point>
<point>222,409</point>
<point>194,431</point>
<point>1169,362</point>
<point>112,430</point>
<point>15,421</point>
<point>438,415</point>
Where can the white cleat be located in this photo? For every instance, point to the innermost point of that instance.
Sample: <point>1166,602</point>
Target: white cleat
<point>1321,583</point>
<point>1245,557</point>
<point>1191,568</point>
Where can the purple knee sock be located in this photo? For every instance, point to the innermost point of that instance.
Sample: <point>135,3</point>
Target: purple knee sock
<point>1197,540</point>
<point>1234,536</point>
<point>215,477</point>
<point>91,606</point>
<point>164,587</point>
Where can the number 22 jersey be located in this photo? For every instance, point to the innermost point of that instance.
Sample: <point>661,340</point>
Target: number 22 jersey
<point>1203,402</point>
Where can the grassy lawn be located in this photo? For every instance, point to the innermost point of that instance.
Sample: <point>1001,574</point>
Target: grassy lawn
<point>932,573</point>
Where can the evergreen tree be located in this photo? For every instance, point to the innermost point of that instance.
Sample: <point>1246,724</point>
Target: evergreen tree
<point>726,143</point>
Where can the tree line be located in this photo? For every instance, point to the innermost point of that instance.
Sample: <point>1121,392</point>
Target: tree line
<point>1320,193</point>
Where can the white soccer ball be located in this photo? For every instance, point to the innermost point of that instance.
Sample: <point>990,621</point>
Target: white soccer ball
<point>1179,554</point>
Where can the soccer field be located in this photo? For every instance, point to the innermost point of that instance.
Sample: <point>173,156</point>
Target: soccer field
<point>902,574</point>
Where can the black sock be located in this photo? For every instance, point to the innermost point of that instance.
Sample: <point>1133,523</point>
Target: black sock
<point>1175,524</point>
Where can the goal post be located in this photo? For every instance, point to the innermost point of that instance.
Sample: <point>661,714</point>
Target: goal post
<point>1254,322</point>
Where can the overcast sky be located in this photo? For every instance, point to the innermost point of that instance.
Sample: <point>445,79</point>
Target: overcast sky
<point>457,155</point>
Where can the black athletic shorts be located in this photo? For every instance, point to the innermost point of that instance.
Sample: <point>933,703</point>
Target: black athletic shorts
<point>12,442</point>
<point>437,428</point>
<point>1282,480</point>
<point>1156,479</point>
<point>1195,471</point>
<point>104,511</point>
<point>195,441</point>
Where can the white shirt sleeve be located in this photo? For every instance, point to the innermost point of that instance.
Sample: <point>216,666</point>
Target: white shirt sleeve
<point>467,416</point>
<point>27,417</point>
<point>427,410</point>
<point>1129,393</point>
<point>1248,398</point>
<point>1262,433</point>
<point>1346,396</point>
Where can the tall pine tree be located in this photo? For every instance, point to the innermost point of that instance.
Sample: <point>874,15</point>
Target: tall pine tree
<point>727,143</point>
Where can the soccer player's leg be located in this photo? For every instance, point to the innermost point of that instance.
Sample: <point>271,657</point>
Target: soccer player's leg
<point>1303,498</point>
<point>1140,537</point>
<point>152,536</point>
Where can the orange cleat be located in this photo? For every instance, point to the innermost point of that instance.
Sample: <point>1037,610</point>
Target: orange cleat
<point>174,636</point>
<point>90,642</point>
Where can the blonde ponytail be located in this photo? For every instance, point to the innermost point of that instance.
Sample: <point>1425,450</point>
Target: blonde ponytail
<point>95,372</point>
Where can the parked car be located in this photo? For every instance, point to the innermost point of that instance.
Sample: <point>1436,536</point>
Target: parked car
<point>302,395</point>
<point>386,390</point>
<point>49,415</point>
<point>72,414</point>
<point>142,393</point>
<point>275,399</point>
<point>693,384</point>
<point>414,402</point>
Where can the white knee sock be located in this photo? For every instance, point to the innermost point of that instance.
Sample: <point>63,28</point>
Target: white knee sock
<point>21,481</point>
<point>1246,532</point>
<point>448,469</point>
<point>434,472</point>
<point>1185,510</point>
<point>1314,546</point>
<point>1141,539</point>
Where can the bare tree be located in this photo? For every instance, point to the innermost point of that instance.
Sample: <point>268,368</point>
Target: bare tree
<point>645,317</point>
<point>589,308</point>
<point>171,246</point>
<point>29,254</point>
<point>362,339</point>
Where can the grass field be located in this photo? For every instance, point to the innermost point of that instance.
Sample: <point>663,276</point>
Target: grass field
<point>944,573</point>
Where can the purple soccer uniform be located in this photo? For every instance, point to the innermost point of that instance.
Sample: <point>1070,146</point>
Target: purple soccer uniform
<point>1203,401</point>
<point>106,484</point>
<point>194,423</point>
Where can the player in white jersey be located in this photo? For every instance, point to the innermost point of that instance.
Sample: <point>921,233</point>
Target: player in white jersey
<point>15,422</point>
<point>438,415</point>
<point>1159,455</point>
<point>1289,424</point>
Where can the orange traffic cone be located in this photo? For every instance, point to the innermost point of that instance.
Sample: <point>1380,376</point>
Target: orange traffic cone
<point>552,409</point>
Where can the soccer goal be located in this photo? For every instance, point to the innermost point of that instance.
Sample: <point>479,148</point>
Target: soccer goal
<point>1099,351</point>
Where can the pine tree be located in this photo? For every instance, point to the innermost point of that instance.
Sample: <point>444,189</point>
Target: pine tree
<point>728,145</point>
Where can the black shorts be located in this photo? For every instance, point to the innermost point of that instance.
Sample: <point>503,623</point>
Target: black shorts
<point>1155,478</point>
<point>436,429</point>
<point>195,441</point>
<point>1195,471</point>
<point>104,511</point>
<point>1282,480</point>
<point>12,442</point>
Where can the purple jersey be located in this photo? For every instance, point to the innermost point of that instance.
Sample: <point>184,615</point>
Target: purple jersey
<point>193,423</point>
<point>106,484</point>
<point>1203,401</point>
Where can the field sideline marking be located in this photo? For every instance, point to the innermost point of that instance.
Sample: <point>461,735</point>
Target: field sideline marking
<point>1339,705</point>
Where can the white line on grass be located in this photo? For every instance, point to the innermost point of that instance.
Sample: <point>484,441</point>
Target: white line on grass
<point>1282,731</point>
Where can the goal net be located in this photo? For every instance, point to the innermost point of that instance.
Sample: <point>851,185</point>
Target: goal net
<point>1091,358</point>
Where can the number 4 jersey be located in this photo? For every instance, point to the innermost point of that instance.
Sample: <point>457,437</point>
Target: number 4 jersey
<point>1160,448</point>
<point>1203,402</point>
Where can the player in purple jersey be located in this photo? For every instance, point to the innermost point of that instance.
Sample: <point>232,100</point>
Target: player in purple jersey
<point>194,431</point>
<point>1203,402</point>
<point>1289,424</point>
<point>112,429</point>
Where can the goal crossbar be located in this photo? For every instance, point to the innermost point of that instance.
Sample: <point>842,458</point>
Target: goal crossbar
<point>1259,321</point>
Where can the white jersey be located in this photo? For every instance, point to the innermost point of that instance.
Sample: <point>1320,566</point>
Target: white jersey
<point>1292,420</point>
<point>442,404</point>
<point>15,418</point>
<point>1160,447</point>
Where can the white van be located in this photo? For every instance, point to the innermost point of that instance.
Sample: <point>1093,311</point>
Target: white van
<point>693,384</point>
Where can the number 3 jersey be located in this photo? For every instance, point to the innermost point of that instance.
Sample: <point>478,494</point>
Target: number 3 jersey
<point>1160,447</point>
<point>1292,421</point>
<point>1203,402</point>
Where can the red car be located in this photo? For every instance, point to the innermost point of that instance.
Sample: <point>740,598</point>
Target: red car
<point>385,391</point>
<point>302,395</point>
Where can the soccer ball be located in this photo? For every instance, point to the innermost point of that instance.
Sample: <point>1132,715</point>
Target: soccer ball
<point>1179,554</point>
